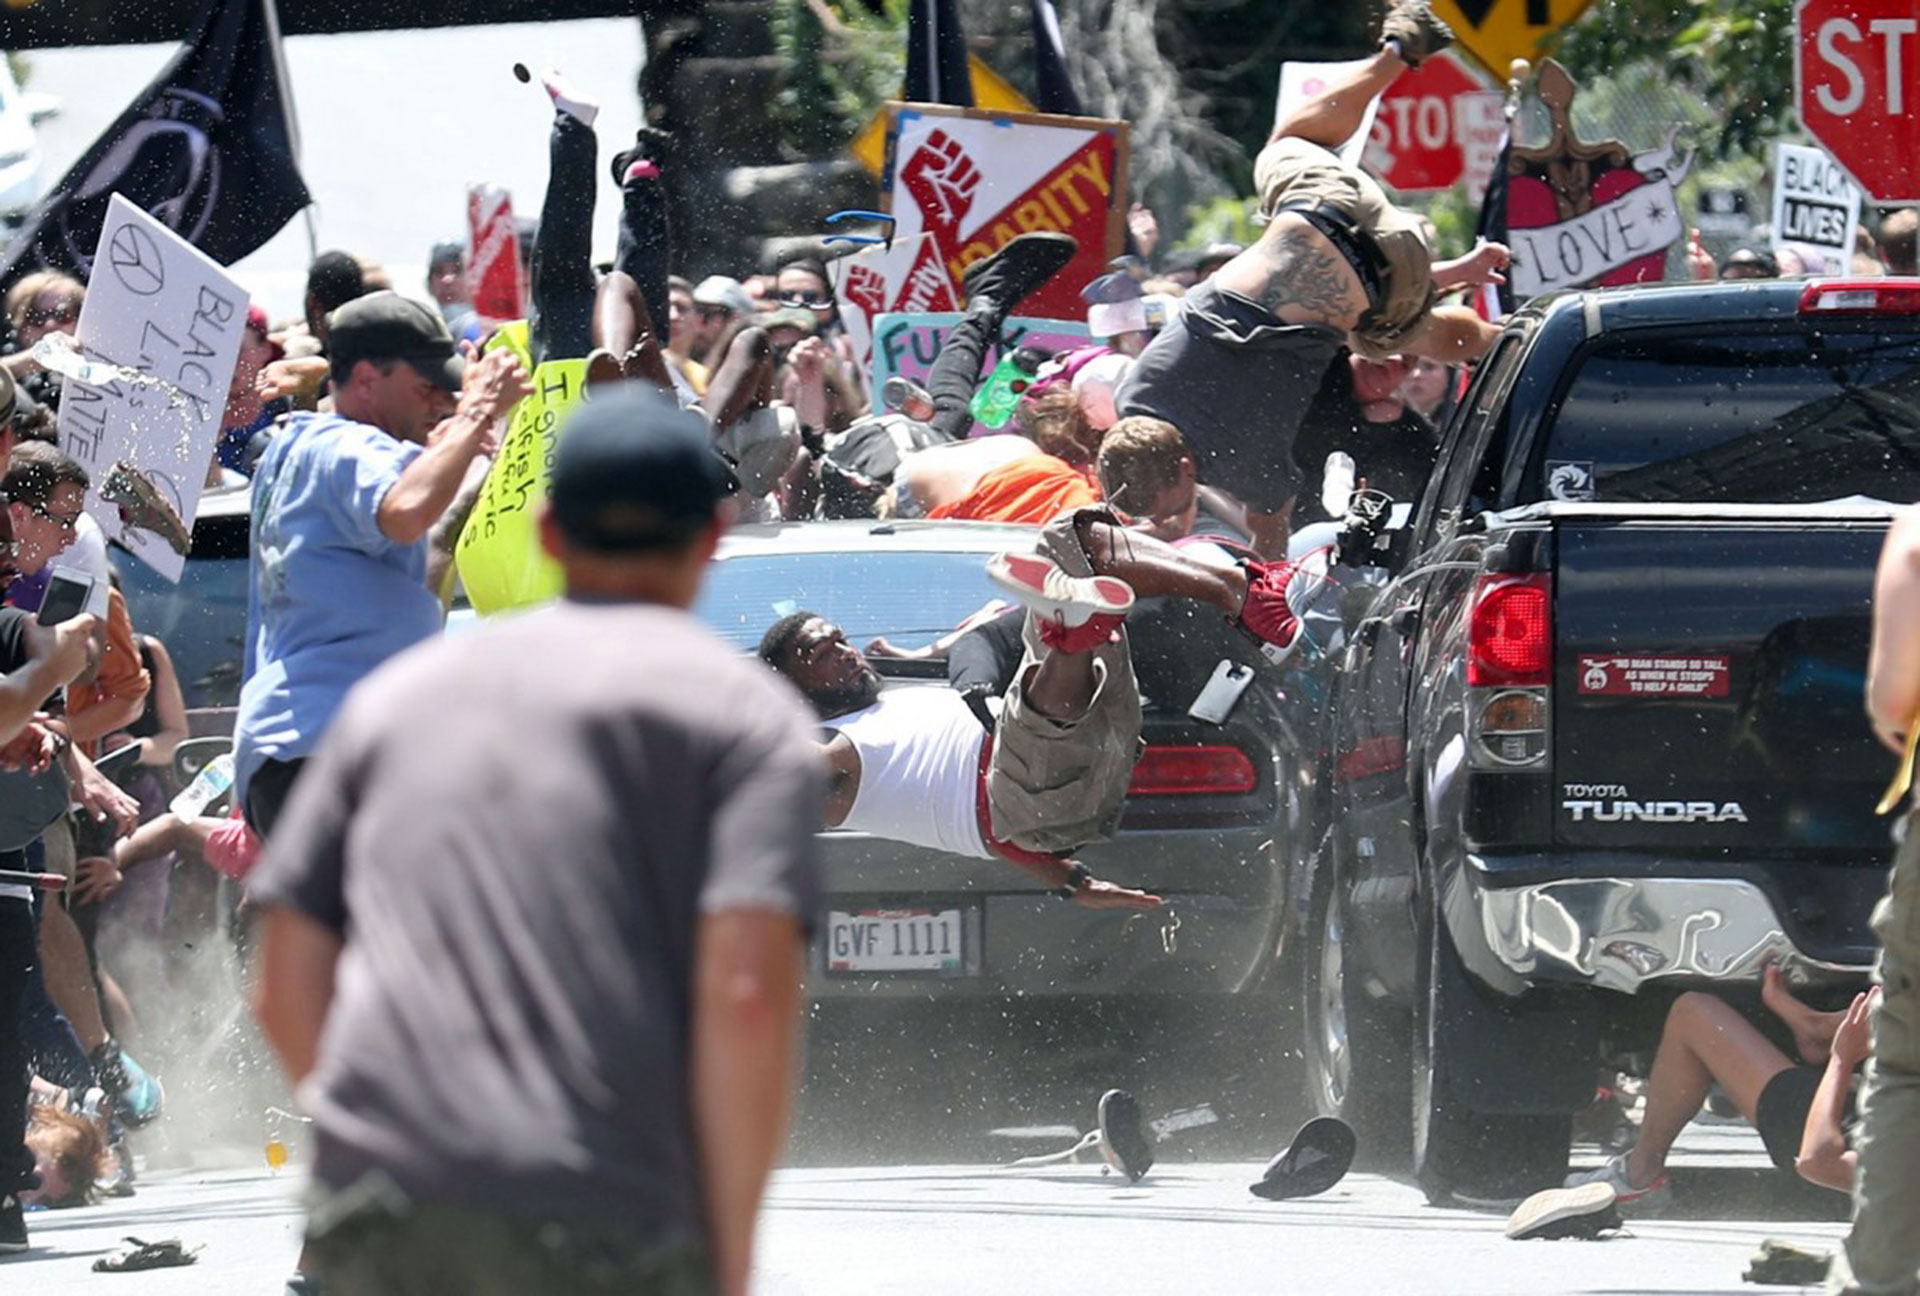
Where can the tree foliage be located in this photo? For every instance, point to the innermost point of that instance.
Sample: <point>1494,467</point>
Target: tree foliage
<point>1736,55</point>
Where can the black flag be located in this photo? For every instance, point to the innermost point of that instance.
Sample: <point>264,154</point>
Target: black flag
<point>206,149</point>
<point>1053,89</point>
<point>1495,301</point>
<point>937,69</point>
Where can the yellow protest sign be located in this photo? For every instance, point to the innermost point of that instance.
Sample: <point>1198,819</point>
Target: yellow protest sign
<point>501,563</point>
<point>990,90</point>
<point>1496,32</point>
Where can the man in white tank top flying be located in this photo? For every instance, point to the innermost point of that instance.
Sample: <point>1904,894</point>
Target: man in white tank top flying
<point>918,765</point>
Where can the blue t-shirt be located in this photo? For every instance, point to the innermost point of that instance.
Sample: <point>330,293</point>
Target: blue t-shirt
<point>329,596</point>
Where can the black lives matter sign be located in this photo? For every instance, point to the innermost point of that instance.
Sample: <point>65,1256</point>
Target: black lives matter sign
<point>1816,208</point>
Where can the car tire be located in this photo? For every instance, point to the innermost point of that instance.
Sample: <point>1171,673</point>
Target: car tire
<point>1461,1154</point>
<point>1355,1048</point>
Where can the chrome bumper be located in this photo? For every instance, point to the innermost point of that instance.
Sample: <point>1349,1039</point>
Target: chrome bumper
<point>1619,933</point>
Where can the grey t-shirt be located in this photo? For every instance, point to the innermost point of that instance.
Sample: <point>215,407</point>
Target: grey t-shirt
<point>517,831</point>
<point>1236,381</point>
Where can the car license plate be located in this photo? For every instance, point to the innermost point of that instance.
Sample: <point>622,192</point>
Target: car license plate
<point>896,940</point>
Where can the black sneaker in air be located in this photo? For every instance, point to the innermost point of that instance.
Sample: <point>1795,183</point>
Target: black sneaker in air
<point>1585,1211</point>
<point>1416,29</point>
<point>650,144</point>
<point>13,1225</point>
<point>1124,1140</point>
<point>1021,265</point>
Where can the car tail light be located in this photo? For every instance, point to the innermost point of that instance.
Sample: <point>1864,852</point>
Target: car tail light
<point>1192,771</point>
<point>1861,297</point>
<point>1510,631</point>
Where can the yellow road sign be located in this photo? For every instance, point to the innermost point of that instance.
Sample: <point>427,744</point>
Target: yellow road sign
<point>1496,32</point>
<point>990,90</point>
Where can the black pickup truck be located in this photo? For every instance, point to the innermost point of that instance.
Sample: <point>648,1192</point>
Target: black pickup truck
<point>1597,736</point>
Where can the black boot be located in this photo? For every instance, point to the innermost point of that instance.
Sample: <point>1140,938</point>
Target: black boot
<point>1021,265</point>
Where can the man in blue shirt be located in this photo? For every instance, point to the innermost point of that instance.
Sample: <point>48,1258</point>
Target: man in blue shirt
<point>342,504</point>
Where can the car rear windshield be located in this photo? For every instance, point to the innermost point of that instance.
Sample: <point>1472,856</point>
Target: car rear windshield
<point>1745,418</point>
<point>911,598</point>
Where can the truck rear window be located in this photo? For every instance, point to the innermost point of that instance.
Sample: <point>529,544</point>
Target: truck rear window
<point>1745,418</point>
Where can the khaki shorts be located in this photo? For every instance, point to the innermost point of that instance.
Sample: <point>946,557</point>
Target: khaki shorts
<point>1290,171</point>
<point>1053,785</point>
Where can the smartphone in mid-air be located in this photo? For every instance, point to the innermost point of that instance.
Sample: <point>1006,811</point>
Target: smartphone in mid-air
<point>68,590</point>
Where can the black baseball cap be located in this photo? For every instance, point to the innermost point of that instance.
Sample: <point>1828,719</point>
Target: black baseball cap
<point>387,326</point>
<point>634,471</point>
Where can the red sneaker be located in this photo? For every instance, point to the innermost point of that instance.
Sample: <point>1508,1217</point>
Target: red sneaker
<point>1055,596</point>
<point>1094,632</point>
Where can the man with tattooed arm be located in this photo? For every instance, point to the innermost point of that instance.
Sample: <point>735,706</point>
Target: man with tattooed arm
<point>1337,265</point>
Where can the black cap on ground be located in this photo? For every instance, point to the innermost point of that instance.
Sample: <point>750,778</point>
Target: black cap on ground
<point>633,471</point>
<point>387,326</point>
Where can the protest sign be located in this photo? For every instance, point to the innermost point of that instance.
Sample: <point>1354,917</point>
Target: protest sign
<point>974,179</point>
<point>1300,82</point>
<point>1816,208</point>
<point>493,254</point>
<point>906,277</point>
<point>501,563</point>
<point>158,305</point>
<point>905,345</point>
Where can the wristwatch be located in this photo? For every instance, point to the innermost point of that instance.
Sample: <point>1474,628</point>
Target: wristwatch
<point>1077,876</point>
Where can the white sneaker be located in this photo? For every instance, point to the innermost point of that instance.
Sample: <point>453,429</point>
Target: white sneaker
<point>1653,1197</point>
<point>1584,1211</point>
<point>568,100</point>
<point>1055,596</point>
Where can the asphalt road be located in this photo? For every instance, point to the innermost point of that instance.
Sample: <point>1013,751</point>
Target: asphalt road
<point>1190,1226</point>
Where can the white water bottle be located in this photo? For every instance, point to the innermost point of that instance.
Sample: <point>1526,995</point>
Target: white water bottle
<point>215,777</point>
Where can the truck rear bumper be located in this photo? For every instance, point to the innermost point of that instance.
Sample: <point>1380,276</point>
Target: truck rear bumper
<point>1621,932</point>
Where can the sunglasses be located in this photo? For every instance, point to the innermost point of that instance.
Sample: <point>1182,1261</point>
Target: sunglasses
<point>65,521</point>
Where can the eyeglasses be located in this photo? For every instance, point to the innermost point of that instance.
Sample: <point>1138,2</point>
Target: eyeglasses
<point>66,313</point>
<point>65,521</point>
<point>806,300</point>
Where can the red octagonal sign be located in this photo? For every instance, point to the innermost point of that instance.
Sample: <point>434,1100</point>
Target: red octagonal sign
<point>1856,72</point>
<point>1434,125</point>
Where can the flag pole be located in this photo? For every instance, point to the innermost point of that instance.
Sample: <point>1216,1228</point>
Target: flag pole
<point>271,10</point>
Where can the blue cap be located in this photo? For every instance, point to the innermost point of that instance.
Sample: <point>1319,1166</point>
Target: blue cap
<point>634,471</point>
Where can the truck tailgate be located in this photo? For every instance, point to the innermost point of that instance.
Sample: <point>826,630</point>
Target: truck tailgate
<point>1708,682</point>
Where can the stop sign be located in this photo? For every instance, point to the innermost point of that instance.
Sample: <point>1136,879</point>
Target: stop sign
<point>1856,71</point>
<point>1425,125</point>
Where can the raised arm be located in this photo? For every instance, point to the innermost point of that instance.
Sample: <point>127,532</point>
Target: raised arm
<point>494,384</point>
<point>1824,1157</point>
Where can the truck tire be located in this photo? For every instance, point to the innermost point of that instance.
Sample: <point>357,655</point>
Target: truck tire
<point>1459,1152</point>
<point>1355,1048</point>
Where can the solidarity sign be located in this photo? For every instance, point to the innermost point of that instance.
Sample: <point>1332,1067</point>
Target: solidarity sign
<point>970,180</point>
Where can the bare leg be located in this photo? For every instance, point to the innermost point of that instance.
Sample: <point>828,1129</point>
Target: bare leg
<point>119,1010</point>
<point>1155,568</point>
<point>1061,685</point>
<point>744,381</point>
<point>622,326</point>
<point>1331,117</point>
<point>1705,1041</point>
<point>69,980</point>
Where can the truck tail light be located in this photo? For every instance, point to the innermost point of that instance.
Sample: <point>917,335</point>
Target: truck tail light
<point>1193,771</point>
<point>1510,632</point>
<point>1510,668</point>
<point>1861,297</point>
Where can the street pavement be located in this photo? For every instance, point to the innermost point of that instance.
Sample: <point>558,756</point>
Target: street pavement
<point>1190,1226</point>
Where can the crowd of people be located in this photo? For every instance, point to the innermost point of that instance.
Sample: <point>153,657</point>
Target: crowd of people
<point>413,978</point>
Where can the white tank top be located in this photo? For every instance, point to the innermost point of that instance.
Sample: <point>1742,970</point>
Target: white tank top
<point>919,770</point>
